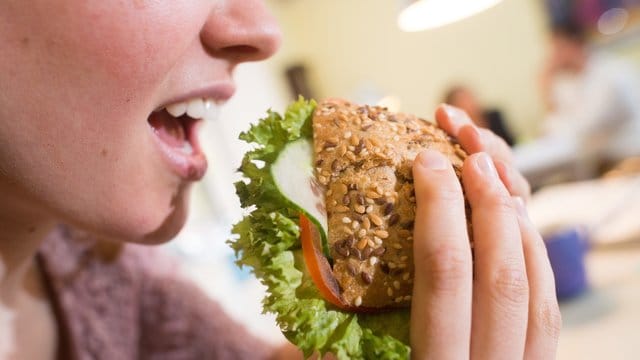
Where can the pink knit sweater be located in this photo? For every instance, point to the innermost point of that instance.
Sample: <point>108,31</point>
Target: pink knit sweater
<point>132,305</point>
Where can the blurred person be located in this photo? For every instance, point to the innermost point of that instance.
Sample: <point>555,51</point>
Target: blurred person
<point>464,98</point>
<point>590,95</point>
<point>99,105</point>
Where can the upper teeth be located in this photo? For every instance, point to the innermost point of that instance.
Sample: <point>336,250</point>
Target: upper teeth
<point>196,108</point>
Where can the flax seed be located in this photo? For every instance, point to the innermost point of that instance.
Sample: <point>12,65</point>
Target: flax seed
<point>346,220</point>
<point>366,278</point>
<point>351,268</point>
<point>388,209</point>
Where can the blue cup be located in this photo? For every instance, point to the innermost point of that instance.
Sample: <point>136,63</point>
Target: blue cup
<point>566,249</point>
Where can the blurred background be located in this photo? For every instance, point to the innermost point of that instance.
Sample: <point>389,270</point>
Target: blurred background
<point>557,79</point>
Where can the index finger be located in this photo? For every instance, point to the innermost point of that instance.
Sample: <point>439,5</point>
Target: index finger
<point>441,305</point>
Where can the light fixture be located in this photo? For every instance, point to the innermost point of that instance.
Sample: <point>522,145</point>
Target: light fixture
<point>428,14</point>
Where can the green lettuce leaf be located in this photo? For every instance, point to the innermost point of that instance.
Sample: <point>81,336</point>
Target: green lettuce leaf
<point>267,240</point>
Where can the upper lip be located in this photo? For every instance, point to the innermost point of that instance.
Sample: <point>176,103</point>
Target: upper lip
<point>219,92</point>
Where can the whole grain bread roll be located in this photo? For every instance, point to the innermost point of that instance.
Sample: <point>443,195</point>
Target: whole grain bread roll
<point>363,158</point>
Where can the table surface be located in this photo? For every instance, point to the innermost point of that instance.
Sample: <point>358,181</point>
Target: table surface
<point>604,323</point>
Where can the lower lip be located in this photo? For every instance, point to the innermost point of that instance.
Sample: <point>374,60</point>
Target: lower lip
<point>189,167</point>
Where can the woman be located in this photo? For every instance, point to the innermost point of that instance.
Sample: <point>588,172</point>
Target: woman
<point>87,140</point>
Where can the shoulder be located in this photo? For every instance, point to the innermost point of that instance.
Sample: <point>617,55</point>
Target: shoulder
<point>142,294</point>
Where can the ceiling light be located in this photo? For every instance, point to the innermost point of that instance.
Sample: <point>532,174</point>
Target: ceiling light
<point>428,14</point>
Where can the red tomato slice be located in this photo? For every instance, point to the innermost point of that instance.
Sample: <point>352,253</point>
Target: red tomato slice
<point>317,264</point>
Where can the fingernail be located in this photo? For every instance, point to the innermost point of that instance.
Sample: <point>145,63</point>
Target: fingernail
<point>432,160</point>
<point>456,116</point>
<point>486,167</point>
<point>521,208</point>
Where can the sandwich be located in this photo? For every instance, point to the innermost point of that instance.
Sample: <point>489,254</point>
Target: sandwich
<point>328,190</point>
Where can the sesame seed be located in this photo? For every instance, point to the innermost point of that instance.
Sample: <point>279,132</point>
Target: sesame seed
<point>346,220</point>
<point>382,234</point>
<point>404,258</point>
<point>375,219</point>
<point>366,223</point>
<point>342,150</point>
<point>391,265</point>
<point>342,208</point>
<point>369,209</point>
<point>359,209</point>
<point>358,301</point>
<point>377,240</point>
<point>362,233</point>
<point>396,285</point>
<point>347,230</point>
<point>347,134</point>
<point>355,140</point>
<point>355,225</point>
<point>397,246</point>
<point>407,298</point>
<point>370,201</point>
<point>374,260</point>
<point>390,292</point>
<point>398,299</point>
<point>402,266</point>
<point>405,277</point>
<point>372,194</point>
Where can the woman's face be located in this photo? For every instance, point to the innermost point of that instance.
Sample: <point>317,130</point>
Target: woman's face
<point>85,135</point>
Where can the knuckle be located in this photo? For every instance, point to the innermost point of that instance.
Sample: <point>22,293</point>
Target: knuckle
<point>548,319</point>
<point>510,285</point>
<point>447,269</point>
<point>497,202</point>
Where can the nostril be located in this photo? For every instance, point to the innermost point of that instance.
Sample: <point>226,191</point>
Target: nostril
<point>243,50</point>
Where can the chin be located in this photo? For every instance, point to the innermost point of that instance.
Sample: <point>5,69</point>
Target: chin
<point>145,224</point>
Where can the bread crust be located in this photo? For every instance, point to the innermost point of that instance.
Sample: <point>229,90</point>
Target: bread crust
<point>363,158</point>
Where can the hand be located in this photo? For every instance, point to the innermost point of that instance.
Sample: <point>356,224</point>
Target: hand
<point>501,305</point>
<point>473,139</point>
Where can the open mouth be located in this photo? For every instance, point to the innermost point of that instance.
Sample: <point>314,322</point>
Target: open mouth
<point>175,129</point>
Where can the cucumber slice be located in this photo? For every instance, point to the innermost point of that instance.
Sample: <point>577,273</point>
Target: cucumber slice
<point>293,174</point>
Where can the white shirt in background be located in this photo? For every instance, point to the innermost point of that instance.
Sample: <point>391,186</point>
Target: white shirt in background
<point>599,107</point>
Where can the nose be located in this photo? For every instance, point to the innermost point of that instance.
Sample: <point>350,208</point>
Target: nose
<point>241,30</point>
